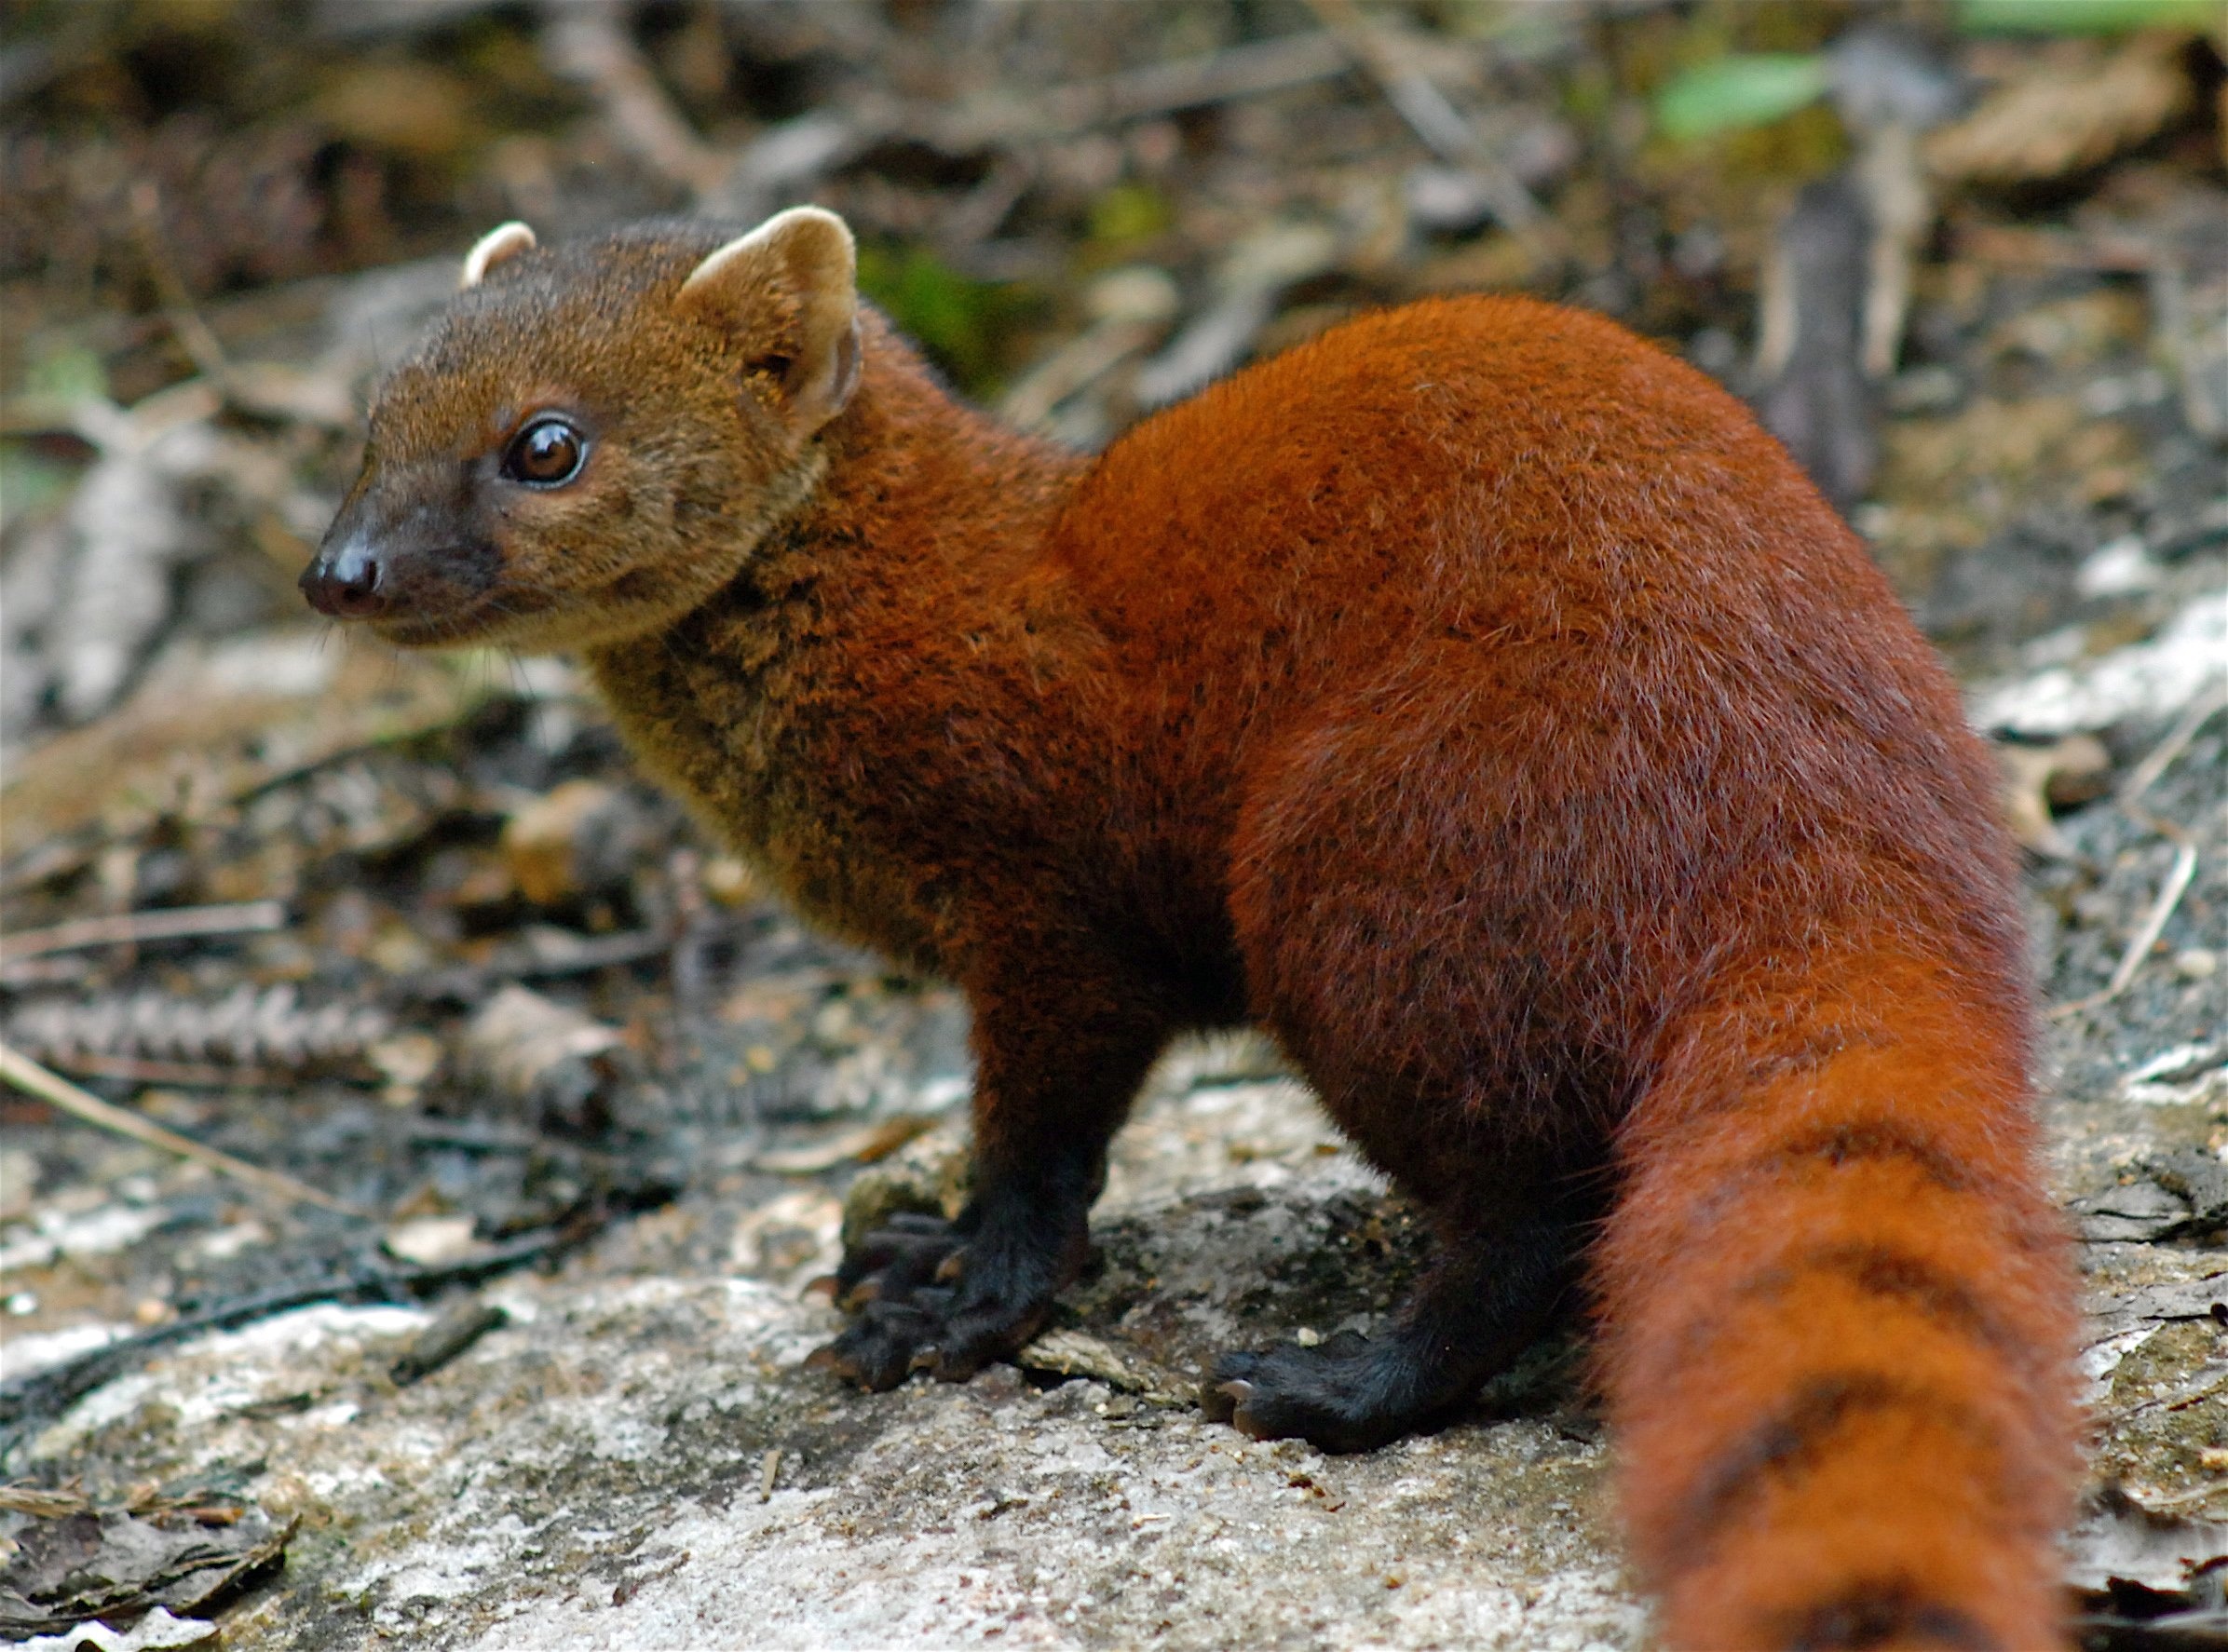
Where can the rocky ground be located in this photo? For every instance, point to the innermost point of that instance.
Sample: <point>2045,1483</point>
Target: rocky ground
<point>587,1112</point>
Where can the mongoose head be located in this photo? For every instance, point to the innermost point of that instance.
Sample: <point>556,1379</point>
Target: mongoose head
<point>594,439</point>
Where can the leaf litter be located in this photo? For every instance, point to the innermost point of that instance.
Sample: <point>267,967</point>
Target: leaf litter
<point>518,1012</point>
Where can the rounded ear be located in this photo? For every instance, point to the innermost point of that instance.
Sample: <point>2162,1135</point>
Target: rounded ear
<point>505,241</point>
<point>789,291</point>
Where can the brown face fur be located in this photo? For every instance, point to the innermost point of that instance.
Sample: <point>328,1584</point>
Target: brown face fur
<point>691,453</point>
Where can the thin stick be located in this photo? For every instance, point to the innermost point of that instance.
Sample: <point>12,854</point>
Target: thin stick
<point>588,44</point>
<point>1252,70</point>
<point>27,1074</point>
<point>193,332</point>
<point>2145,774</point>
<point>2170,897</point>
<point>1433,116</point>
<point>174,923</point>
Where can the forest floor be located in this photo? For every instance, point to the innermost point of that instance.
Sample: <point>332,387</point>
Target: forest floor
<point>585,1111</point>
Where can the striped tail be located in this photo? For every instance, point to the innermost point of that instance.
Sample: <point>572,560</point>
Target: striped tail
<point>1838,1328</point>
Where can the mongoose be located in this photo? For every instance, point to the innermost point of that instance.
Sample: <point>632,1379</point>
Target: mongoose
<point>1472,696</point>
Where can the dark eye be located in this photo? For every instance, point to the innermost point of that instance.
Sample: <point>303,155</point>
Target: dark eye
<point>547,454</point>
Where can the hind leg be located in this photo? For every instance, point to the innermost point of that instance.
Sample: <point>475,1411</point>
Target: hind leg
<point>1435,995</point>
<point>1494,1286</point>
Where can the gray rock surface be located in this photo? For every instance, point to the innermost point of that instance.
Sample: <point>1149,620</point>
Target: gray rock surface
<point>641,1462</point>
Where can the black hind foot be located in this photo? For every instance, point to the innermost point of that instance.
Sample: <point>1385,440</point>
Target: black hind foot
<point>1485,1298</point>
<point>945,1297</point>
<point>1347,1394</point>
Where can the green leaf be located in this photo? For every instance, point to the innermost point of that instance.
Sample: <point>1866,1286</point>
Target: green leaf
<point>2083,17</point>
<point>1739,89</point>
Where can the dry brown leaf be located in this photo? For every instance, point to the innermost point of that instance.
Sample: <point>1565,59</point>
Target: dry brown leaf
<point>2072,109</point>
<point>867,1145</point>
<point>544,842</point>
<point>207,725</point>
<point>562,1068</point>
<point>2035,778</point>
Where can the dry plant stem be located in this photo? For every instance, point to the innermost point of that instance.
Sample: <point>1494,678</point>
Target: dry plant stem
<point>2170,897</point>
<point>28,1075</point>
<point>130,928</point>
<point>1432,118</point>
<point>588,44</point>
<point>194,333</point>
<point>2178,876</point>
<point>1186,83</point>
<point>2145,774</point>
<point>181,1074</point>
<point>1903,213</point>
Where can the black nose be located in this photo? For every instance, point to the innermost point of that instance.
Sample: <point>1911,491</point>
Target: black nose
<point>343,582</point>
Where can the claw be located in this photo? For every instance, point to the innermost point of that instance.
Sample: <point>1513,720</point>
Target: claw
<point>1241,1418</point>
<point>825,1284</point>
<point>859,1294</point>
<point>824,1357</point>
<point>952,1267</point>
<point>1222,1400</point>
<point>925,1358</point>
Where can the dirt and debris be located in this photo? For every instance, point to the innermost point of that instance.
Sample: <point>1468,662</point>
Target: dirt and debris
<point>183,1550</point>
<point>409,930</point>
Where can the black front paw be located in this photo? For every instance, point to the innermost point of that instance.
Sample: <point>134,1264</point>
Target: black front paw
<point>931,1298</point>
<point>1347,1394</point>
<point>895,1263</point>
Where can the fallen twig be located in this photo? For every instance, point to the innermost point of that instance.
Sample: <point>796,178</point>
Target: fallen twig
<point>131,929</point>
<point>588,44</point>
<point>2140,779</point>
<point>183,1075</point>
<point>469,983</point>
<point>27,1402</point>
<point>1432,118</point>
<point>2170,897</point>
<point>2018,246</point>
<point>447,1339</point>
<point>2144,774</point>
<point>1184,83</point>
<point>27,1074</point>
<point>1252,70</point>
<point>192,331</point>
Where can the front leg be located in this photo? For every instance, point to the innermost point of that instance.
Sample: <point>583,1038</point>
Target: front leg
<point>1058,1059</point>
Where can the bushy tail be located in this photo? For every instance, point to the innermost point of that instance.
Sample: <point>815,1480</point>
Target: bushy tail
<point>1838,1323</point>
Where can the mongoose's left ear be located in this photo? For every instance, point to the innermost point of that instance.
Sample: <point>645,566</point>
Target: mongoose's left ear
<point>789,289</point>
<point>504,241</point>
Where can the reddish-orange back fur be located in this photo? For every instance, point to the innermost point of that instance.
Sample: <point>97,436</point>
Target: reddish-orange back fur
<point>1658,812</point>
<point>1478,699</point>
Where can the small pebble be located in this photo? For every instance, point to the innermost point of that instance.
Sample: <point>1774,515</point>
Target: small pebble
<point>2196,962</point>
<point>21,1303</point>
<point>1307,1338</point>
